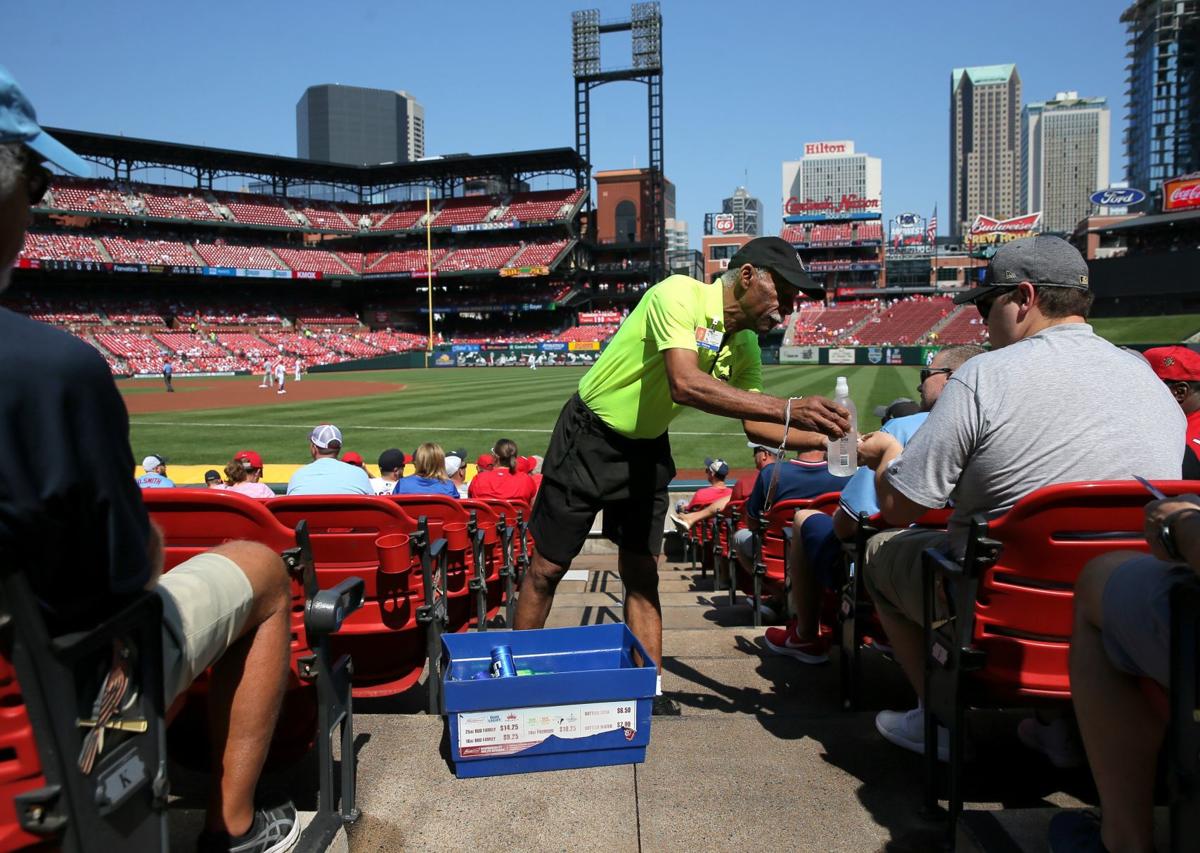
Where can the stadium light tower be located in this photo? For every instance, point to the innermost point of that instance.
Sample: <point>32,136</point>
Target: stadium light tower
<point>645,25</point>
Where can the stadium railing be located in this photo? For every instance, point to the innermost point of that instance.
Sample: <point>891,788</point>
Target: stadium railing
<point>449,521</point>
<point>492,551</point>
<point>1006,639</point>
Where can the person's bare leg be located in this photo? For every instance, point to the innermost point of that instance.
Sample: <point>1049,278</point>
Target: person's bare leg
<point>1121,732</point>
<point>537,592</point>
<point>247,688</point>
<point>908,647</point>
<point>643,612</point>
<point>806,589</point>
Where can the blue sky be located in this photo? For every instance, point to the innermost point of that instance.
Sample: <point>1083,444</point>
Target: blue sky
<point>746,84</point>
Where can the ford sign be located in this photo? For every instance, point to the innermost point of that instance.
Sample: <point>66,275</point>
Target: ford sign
<point>1122,196</point>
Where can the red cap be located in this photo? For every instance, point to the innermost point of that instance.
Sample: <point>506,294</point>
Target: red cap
<point>249,456</point>
<point>408,458</point>
<point>524,464</point>
<point>485,462</point>
<point>352,458</point>
<point>1174,364</point>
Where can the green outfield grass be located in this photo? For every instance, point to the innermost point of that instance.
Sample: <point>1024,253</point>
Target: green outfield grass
<point>1139,330</point>
<point>466,407</point>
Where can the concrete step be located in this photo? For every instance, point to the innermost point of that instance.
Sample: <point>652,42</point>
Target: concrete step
<point>1008,830</point>
<point>184,825</point>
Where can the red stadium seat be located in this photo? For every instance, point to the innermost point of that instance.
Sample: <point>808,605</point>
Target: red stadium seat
<point>388,638</point>
<point>1012,597</point>
<point>444,510</point>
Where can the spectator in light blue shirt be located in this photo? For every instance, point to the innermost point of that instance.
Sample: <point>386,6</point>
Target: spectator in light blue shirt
<point>326,474</point>
<point>814,561</point>
<point>155,477</point>
<point>430,477</point>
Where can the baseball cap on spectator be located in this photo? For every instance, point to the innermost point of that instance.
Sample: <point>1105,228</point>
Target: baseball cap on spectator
<point>1174,364</point>
<point>18,123</point>
<point>352,458</point>
<point>153,461</point>
<point>774,451</point>
<point>778,256</point>
<point>408,458</point>
<point>249,459</point>
<point>391,460</point>
<point>485,462</point>
<point>1044,260</point>
<point>326,437</point>
<point>211,475</point>
<point>524,464</point>
<point>716,467</point>
<point>453,463</point>
<point>901,407</point>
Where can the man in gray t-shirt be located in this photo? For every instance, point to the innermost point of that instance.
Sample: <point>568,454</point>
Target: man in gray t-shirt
<point>1053,403</point>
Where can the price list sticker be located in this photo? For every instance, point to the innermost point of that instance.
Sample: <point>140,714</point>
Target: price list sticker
<point>504,732</point>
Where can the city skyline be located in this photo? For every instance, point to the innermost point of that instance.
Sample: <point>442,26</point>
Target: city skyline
<point>887,93</point>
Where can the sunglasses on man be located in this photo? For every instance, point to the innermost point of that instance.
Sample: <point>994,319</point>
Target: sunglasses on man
<point>934,371</point>
<point>984,304</point>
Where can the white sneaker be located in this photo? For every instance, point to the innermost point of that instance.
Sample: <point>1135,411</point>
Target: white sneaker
<point>907,729</point>
<point>679,523</point>
<point>1057,740</point>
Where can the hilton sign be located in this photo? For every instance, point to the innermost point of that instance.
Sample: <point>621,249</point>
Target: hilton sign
<point>838,147</point>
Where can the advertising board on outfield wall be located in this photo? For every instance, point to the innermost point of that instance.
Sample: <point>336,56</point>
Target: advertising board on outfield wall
<point>799,355</point>
<point>841,355</point>
<point>879,356</point>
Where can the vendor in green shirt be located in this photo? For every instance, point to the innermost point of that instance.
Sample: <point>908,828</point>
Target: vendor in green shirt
<point>686,343</point>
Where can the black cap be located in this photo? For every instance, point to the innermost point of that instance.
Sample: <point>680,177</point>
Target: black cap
<point>460,453</point>
<point>1043,260</point>
<point>901,407</point>
<point>391,460</point>
<point>211,474</point>
<point>778,256</point>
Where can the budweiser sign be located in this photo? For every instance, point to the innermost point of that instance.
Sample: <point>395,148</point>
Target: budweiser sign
<point>848,204</point>
<point>1024,224</point>
<point>1182,193</point>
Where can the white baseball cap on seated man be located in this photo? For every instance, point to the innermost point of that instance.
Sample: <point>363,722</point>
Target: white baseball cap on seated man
<point>153,461</point>
<point>326,437</point>
<point>18,123</point>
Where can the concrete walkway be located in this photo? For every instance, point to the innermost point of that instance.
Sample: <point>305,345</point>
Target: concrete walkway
<point>762,758</point>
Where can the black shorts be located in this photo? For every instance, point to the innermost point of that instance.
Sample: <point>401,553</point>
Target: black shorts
<point>588,468</point>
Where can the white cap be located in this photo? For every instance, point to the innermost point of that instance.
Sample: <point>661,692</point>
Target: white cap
<point>326,437</point>
<point>453,463</point>
<point>151,462</point>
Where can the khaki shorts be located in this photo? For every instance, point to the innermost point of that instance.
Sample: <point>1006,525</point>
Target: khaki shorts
<point>206,601</point>
<point>893,570</point>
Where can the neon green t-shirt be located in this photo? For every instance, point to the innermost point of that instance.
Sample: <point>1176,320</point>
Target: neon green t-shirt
<point>627,386</point>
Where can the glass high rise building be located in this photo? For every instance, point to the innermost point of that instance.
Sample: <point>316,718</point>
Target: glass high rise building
<point>357,126</point>
<point>1064,158</point>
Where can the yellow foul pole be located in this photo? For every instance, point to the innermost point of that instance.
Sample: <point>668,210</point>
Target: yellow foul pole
<point>428,275</point>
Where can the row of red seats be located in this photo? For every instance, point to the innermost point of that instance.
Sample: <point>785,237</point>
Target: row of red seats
<point>906,322</point>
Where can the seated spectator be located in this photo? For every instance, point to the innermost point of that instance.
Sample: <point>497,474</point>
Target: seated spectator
<point>901,407</point>
<point>485,462</point>
<point>535,473</point>
<point>244,473</point>
<point>763,456</point>
<point>1121,637</point>
<point>212,479</point>
<point>59,404</point>
<point>710,499</point>
<point>355,459</point>
<point>155,476</point>
<point>391,468</point>
<point>1010,421</point>
<point>815,558</point>
<point>503,481</point>
<point>456,471</point>
<point>430,477</point>
<point>1179,367</point>
<point>326,474</point>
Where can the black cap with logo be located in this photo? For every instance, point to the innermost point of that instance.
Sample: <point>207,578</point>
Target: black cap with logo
<point>778,256</point>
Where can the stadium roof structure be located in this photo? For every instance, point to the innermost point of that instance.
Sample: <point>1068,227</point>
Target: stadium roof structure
<point>1139,222</point>
<point>212,163</point>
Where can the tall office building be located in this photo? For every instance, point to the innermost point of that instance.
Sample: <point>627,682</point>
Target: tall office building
<point>350,124</point>
<point>985,149</point>
<point>832,178</point>
<point>1064,158</point>
<point>746,211</point>
<point>1162,139</point>
<point>677,235</point>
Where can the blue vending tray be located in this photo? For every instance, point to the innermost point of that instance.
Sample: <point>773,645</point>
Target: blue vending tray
<point>587,704</point>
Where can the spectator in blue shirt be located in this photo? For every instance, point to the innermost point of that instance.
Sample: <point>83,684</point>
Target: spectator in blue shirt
<point>326,474</point>
<point>155,477</point>
<point>814,561</point>
<point>430,477</point>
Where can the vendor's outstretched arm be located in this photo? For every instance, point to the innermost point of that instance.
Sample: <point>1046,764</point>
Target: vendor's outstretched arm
<point>761,414</point>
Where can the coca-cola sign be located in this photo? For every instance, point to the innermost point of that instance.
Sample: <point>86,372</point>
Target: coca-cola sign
<point>1182,193</point>
<point>1118,197</point>
<point>848,204</point>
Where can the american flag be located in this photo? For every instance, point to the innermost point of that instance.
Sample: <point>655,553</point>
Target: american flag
<point>931,229</point>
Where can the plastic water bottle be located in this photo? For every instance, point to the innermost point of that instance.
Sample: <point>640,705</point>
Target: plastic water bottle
<point>843,452</point>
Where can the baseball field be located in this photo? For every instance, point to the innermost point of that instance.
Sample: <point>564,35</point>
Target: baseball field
<point>208,419</point>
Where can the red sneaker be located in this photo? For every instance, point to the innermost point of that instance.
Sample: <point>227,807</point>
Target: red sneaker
<point>783,641</point>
